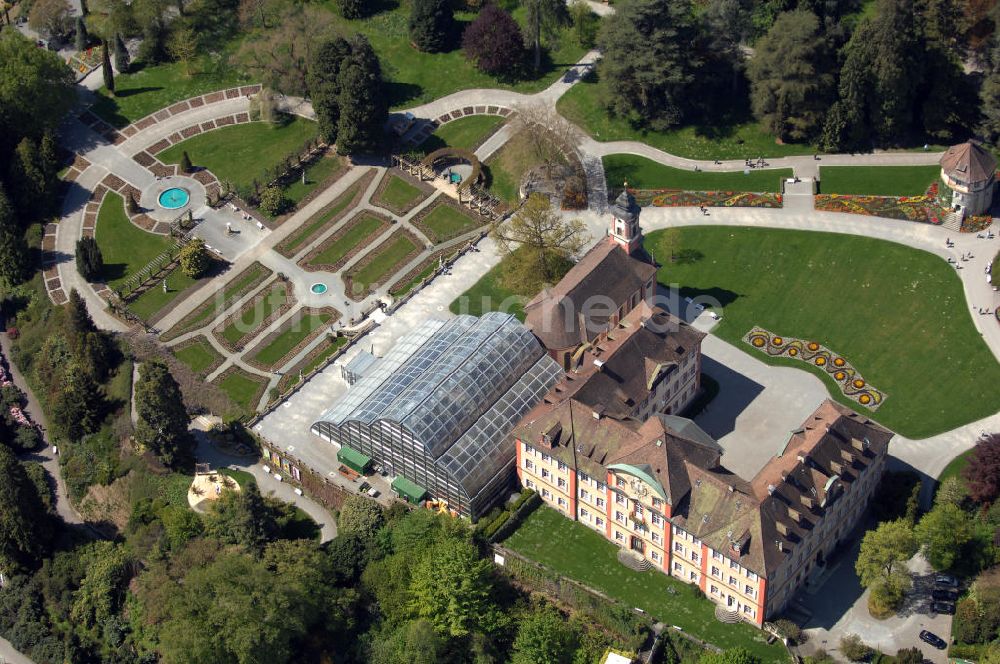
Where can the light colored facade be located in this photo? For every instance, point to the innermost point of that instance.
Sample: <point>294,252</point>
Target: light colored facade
<point>969,172</point>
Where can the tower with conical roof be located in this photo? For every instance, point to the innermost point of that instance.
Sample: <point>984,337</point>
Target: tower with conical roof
<point>625,230</point>
<point>970,173</point>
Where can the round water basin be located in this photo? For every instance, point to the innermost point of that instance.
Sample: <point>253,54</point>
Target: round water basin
<point>318,289</point>
<point>173,198</point>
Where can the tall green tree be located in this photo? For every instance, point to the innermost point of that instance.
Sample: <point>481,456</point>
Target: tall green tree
<point>78,402</point>
<point>790,85</point>
<point>944,532</point>
<point>162,425</point>
<point>544,19</point>
<point>650,85</point>
<point>881,564</point>
<point>543,637</point>
<point>362,517</point>
<point>243,517</point>
<point>25,526</point>
<point>15,259</point>
<point>323,80</point>
<point>361,101</point>
<point>989,94</point>
<point>451,588</point>
<point>730,656</point>
<point>121,54</point>
<point>106,70</point>
<point>432,25</point>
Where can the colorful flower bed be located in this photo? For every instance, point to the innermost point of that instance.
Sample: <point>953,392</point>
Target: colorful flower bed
<point>851,383</point>
<point>925,208</point>
<point>678,198</point>
<point>976,223</point>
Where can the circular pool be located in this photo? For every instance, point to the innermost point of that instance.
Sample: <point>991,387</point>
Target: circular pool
<point>318,289</point>
<point>173,198</point>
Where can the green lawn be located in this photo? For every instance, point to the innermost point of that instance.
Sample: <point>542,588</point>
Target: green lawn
<point>290,245</point>
<point>316,174</point>
<point>466,133</point>
<point>581,105</point>
<point>154,300</point>
<point>897,314</point>
<point>360,230</point>
<point>643,173</point>
<point>488,294</point>
<point>236,288</point>
<point>151,88</point>
<point>877,180</point>
<point>125,247</point>
<point>198,355</point>
<point>252,317</point>
<point>446,222</point>
<point>956,466</point>
<point>243,388</point>
<point>580,553</point>
<point>290,338</point>
<point>240,153</point>
<point>387,259</point>
<point>400,194</point>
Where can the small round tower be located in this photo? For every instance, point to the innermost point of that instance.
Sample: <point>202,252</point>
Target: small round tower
<point>970,173</point>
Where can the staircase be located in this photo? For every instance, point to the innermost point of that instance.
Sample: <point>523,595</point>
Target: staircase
<point>952,221</point>
<point>633,560</point>
<point>724,615</point>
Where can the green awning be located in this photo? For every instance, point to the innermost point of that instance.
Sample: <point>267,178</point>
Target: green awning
<point>408,491</point>
<point>354,460</point>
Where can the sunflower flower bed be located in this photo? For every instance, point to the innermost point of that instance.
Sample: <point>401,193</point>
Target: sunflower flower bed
<point>679,198</point>
<point>848,379</point>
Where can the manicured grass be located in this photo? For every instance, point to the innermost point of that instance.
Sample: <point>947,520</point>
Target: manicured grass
<point>294,242</point>
<point>316,174</point>
<point>210,308</point>
<point>253,317</point>
<point>897,314</point>
<point>466,133</point>
<point>506,168</point>
<point>312,361</point>
<point>242,477</point>
<point>290,338</point>
<point>240,153</point>
<point>643,173</point>
<point>446,222</point>
<point>243,388</point>
<point>400,194</point>
<point>360,230</point>
<point>150,88</point>
<point>576,551</point>
<point>199,356</point>
<point>955,467</point>
<point>582,105</point>
<point>877,180</point>
<point>154,300</point>
<point>125,247</point>
<point>387,259</point>
<point>488,294</point>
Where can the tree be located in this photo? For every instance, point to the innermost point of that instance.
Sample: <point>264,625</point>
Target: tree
<point>451,588</point>
<point>162,420</point>
<point>195,259</point>
<point>121,54</point>
<point>432,25</point>
<point>51,17</point>
<point>352,9</point>
<point>544,243</point>
<point>909,656</point>
<point>362,517</point>
<point>789,82</point>
<point>183,47</point>
<point>544,18</point>
<point>273,201</point>
<point>25,526</point>
<point>493,42</point>
<point>550,136</point>
<point>186,166</point>
<point>983,470</point>
<point>730,656</point>
<point>78,405</point>
<point>82,38</point>
<point>361,101</point>
<point>952,491</point>
<point>650,85</point>
<point>106,70</point>
<point>324,84</point>
<point>281,58</point>
<point>585,23</point>
<point>989,93</point>
<point>854,649</point>
<point>943,532</point>
<point>543,637</point>
<point>881,564</point>
<point>15,259</point>
<point>243,518</point>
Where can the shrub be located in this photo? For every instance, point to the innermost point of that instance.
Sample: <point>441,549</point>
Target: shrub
<point>854,649</point>
<point>186,166</point>
<point>432,25</point>
<point>494,42</point>
<point>195,259</point>
<point>353,8</point>
<point>273,201</point>
<point>790,630</point>
<point>909,656</point>
<point>89,260</point>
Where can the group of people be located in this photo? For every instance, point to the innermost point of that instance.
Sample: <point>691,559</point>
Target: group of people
<point>756,163</point>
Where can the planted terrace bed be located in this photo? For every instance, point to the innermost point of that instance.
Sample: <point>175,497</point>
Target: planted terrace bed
<point>400,193</point>
<point>255,314</point>
<point>242,387</point>
<point>281,345</point>
<point>444,220</point>
<point>352,237</point>
<point>199,355</point>
<point>317,224</point>
<point>219,301</point>
<point>377,266</point>
<point>312,361</point>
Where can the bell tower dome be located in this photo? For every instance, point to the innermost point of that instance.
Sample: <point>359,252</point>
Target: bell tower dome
<point>625,229</point>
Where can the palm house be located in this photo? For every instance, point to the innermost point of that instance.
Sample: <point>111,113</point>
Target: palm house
<point>437,411</point>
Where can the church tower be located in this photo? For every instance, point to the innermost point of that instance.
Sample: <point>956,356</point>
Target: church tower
<point>625,229</point>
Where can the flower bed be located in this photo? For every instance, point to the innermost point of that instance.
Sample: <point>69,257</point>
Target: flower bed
<point>282,344</point>
<point>265,307</point>
<point>925,208</point>
<point>337,250</point>
<point>678,198</point>
<point>400,207</point>
<point>976,223</point>
<point>381,263</point>
<point>850,381</point>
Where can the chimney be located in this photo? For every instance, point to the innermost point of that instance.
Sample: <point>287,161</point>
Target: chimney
<point>770,489</point>
<point>599,364</point>
<point>731,488</point>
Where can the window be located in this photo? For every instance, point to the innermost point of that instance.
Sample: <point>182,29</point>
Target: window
<point>584,513</point>
<point>733,564</point>
<point>751,575</point>
<point>528,464</point>
<point>716,555</point>
<point>561,482</point>
<point>562,466</point>
<point>656,538</point>
<point>601,486</point>
<point>546,458</point>
<point>529,484</point>
<point>620,516</point>
<point>694,557</point>
<point>747,610</point>
<point>749,591</point>
<point>584,477</point>
<point>562,502</point>
<point>620,499</point>
<point>545,474</point>
<point>678,547</point>
<point>733,582</point>
<point>657,503</point>
<point>656,519</point>
<point>693,576</point>
<point>714,590</point>
<point>677,567</point>
<point>619,536</point>
<point>546,494</point>
<point>638,509</point>
<point>599,502</point>
<point>584,495</point>
<point>599,522</point>
<point>656,556</point>
<point>620,482</point>
<point>715,571</point>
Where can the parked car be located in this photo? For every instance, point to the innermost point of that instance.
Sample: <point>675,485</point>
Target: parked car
<point>933,639</point>
<point>944,595</point>
<point>947,608</point>
<point>946,580</point>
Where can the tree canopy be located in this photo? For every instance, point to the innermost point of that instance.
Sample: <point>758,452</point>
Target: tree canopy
<point>432,25</point>
<point>494,42</point>
<point>162,425</point>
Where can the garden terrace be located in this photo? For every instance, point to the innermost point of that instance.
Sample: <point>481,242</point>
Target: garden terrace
<point>574,550</point>
<point>254,315</point>
<point>877,180</point>
<point>335,251</point>
<point>125,247</point>
<point>399,193</point>
<point>642,173</point>
<point>235,288</point>
<point>444,158</point>
<point>199,355</point>
<point>154,303</point>
<point>319,175</point>
<point>380,263</point>
<point>315,226</point>
<point>312,361</point>
<point>919,346</point>
<point>294,334</point>
<point>424,269</point>
<point>466,133</point>
<point>444,220</point>
<point>242,387</point>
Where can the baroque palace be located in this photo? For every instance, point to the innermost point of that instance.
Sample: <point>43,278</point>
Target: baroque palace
<point>607,445</point>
